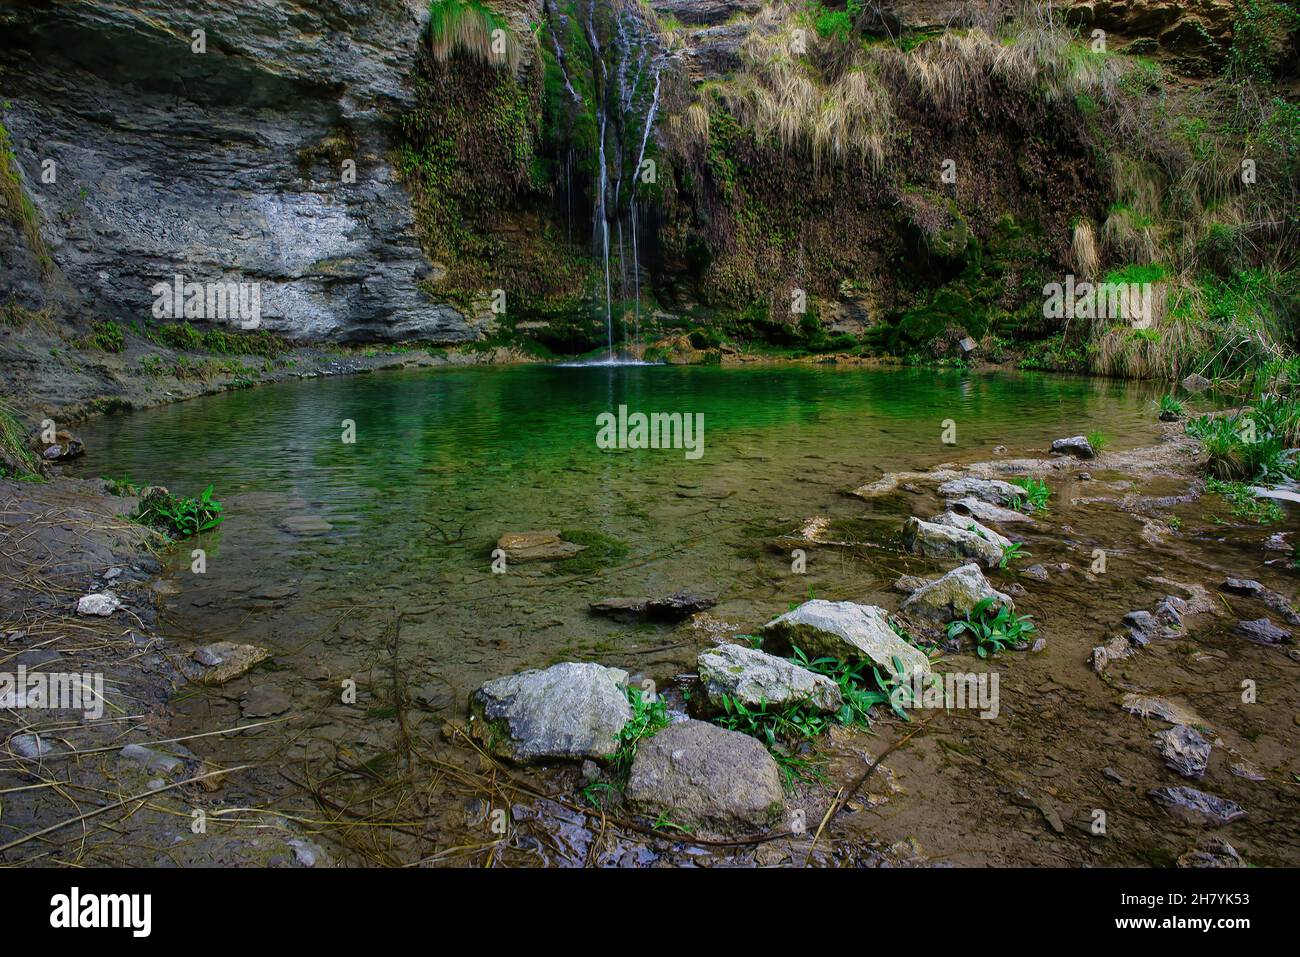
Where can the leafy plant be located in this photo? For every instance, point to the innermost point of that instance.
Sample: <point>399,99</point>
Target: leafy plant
<point>1245,503</point>
<point>1171,408</point>
<point>180,517</point>
<point>992,629</point>
<point>649,717</point>
<point>1013,552</point>
<point>107,336</point>
<point>1098,441</point>
<point>121,487</point>
<point>1036,493</point>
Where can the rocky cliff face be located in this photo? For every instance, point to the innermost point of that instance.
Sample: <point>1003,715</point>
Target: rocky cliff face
<point>223,165</point>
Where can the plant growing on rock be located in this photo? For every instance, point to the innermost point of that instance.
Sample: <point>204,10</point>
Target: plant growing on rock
<point>1098,441</point>
<point>993,630</point>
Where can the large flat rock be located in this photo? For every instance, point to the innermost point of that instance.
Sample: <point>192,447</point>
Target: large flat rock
<point>754,677</point>
<point>844,630</point>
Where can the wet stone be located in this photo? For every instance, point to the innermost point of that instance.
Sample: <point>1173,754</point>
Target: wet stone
<point>755,678</point>
<point>717,782</point>
<point>1197,807</point>
<point>1263,632</point>
<point>536,547</point>
<point>222,661</point>
<point>265,702</point>
<point>1184,750</point>
<point>1076,445</point>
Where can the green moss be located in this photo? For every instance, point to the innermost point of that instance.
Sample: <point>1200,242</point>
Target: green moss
<point>602,551</point>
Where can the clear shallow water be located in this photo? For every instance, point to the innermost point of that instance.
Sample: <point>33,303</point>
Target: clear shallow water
<point>445,461</point>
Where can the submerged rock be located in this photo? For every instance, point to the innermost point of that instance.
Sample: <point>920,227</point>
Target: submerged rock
<point>1197,807</point>
<point>754,677</point>
<point>1196,383</point>
<point>953,596</point>
<point>1253,589</point>
<point>222,661</point>
<point>536,547</point>
<point>993,491</point>
<point>675,607</point>
<point>1037,572</point>
<point>570,710</point>
<point>1184,750</point>
<point>714,781</point>
<point>1263,632</point>
<point>1076,445</point>
<point>844,630</point>
<point>945,541</point>
<point>305,525</point>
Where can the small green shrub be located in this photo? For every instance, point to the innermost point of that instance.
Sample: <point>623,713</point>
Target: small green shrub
<point>107,336</point>
<point>180,517</point>
<point>649,716</point>
<point>1036,493</point>
<point>1171,408</point>
<point>993,630</point>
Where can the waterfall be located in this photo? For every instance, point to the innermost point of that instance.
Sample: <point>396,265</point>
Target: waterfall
<point>625,62</point>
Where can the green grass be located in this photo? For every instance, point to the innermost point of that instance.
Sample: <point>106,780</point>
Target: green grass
<point>649,717</point>
<point>107,336</point>
<point>467,26</point>
<point>1098,441</point>
<point>17,460</point>
<point>18,205</point>
<point>1256,445</point>
<point>993,630</point>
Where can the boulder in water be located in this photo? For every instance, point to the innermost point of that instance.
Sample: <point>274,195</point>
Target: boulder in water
<point>953,596</point>
<point>536,547</point>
